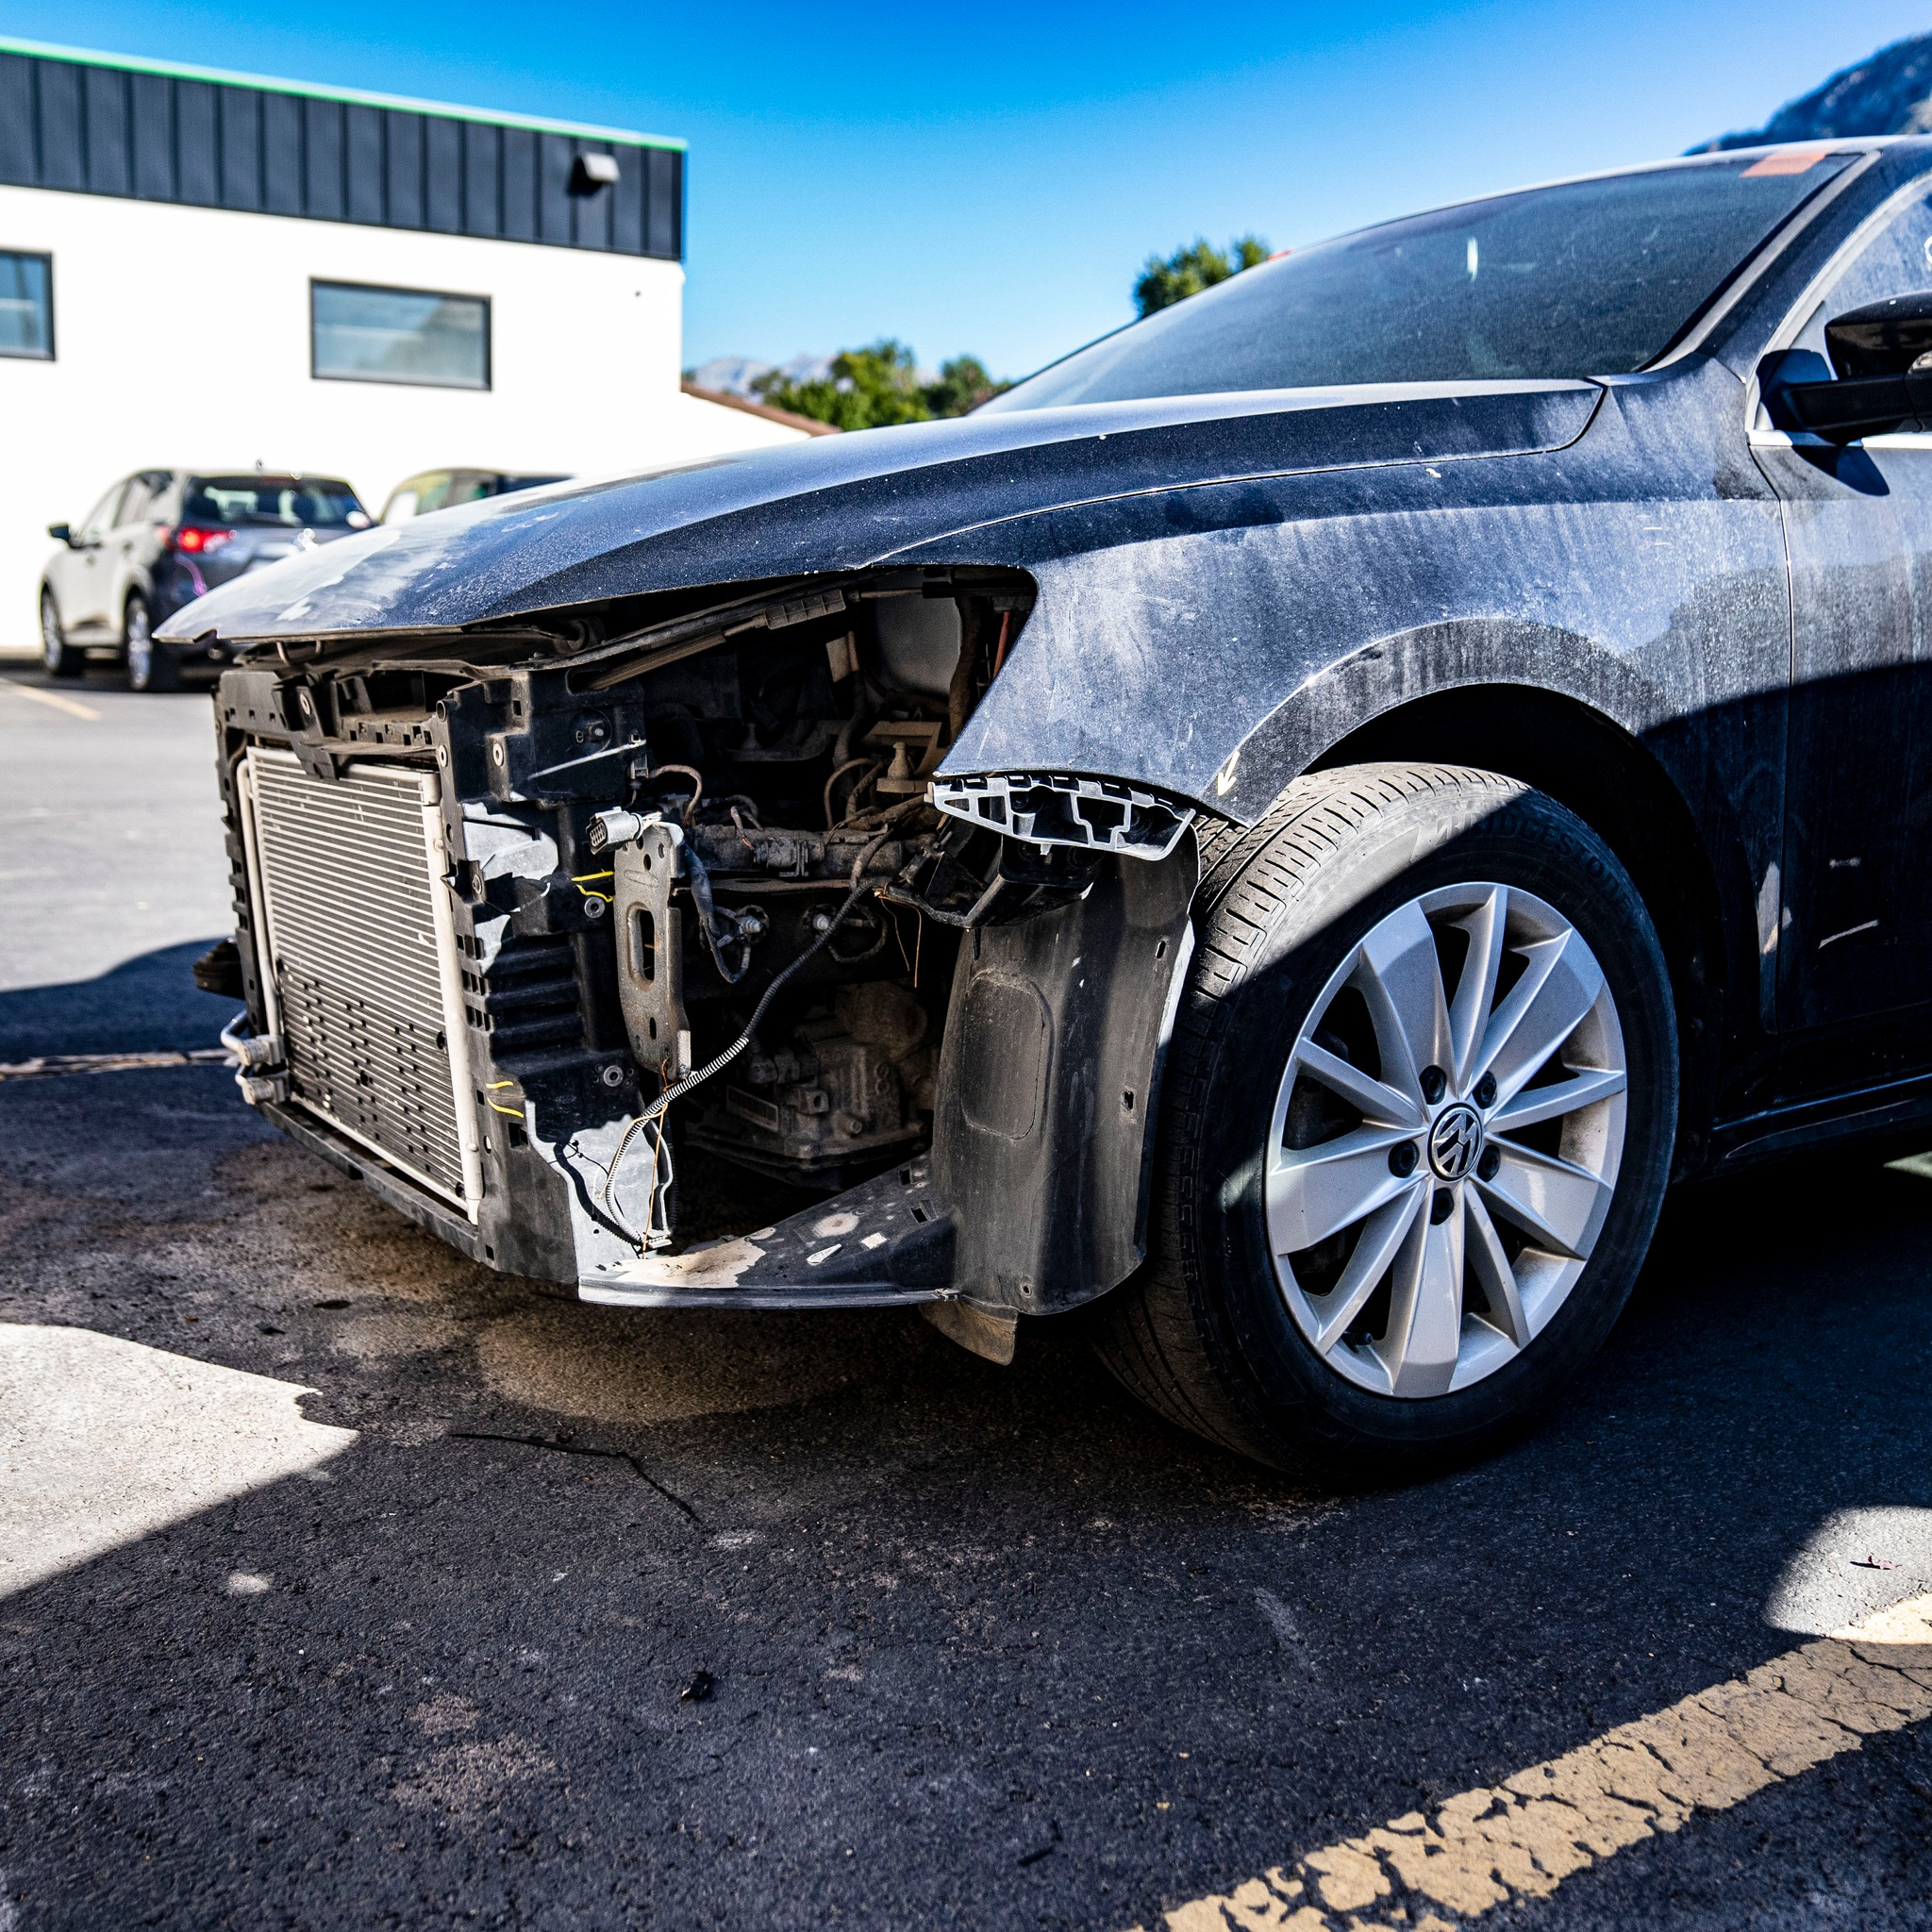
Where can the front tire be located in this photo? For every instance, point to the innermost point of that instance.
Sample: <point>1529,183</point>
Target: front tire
<point>1417,1123</point>
<point>58,656</point>
<point>150,666</point>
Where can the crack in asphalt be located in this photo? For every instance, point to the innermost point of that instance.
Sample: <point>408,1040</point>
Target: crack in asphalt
<point>569,1448</point>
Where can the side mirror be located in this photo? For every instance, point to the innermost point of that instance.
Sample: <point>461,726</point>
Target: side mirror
<point>1891,338</point>
<point>1881,380</point>
<point>62,533</point>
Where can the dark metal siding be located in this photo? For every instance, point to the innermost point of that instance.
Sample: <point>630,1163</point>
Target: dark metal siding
<point>103,130</point>
<point>197,154</point>
<point>366,203</point>
<point>520,184</point>
<point>284,191</point>
<point>106,131</point>
<point>152,101</point>
<point>241,123</point>
<point>323,154</point>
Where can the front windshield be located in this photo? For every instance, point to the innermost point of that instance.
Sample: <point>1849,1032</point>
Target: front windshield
<point>321,503</point>
<point>1586,278</point>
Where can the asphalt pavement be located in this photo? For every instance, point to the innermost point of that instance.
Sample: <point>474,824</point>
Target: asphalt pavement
<point>343,1584</point>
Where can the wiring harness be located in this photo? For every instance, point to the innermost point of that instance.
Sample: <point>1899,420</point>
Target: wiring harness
<point>650,1124</point>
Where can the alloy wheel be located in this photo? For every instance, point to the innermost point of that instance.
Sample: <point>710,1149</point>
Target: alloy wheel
<point>1445,1141</point>
<point>138,636</point>
<point>53,645</point>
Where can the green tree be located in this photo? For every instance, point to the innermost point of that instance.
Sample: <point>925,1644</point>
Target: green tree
<point>964,384</point>
<point>868,389</point>
<point>1188,271</point>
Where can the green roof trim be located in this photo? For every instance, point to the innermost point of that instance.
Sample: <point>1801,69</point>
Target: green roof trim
<point>134,63</point>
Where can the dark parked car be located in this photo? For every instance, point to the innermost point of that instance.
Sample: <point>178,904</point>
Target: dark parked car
<point>160,539</point>
<point>443,489</point>
<point>1295,824</point>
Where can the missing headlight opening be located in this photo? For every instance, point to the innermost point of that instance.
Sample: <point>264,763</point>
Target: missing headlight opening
<point>699,887</point>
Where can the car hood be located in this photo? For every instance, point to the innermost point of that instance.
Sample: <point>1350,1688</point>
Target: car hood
<point>840,503</point>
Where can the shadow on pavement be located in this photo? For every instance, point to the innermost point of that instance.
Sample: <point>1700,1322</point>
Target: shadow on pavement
<point>146,1005</point>
<point>991,1647</point>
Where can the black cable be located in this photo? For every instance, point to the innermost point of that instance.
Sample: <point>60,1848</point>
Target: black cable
<point>709,922</point>
<point>656,1109</point>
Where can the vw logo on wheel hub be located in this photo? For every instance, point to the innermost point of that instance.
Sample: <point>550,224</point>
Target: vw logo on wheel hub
<point>1455,1141</point>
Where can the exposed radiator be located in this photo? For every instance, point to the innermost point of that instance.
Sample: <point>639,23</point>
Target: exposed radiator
<point>361,963</point>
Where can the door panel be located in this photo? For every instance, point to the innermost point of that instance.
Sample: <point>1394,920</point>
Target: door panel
<point>1855,940</point>
<point>89,582</point>
<point>129,542</point>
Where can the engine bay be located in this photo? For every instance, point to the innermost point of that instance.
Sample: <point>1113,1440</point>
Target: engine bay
<point>706,861</point>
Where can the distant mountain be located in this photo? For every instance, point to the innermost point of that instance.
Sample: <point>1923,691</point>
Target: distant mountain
<point>1889,93</point>
<point>734,375</point>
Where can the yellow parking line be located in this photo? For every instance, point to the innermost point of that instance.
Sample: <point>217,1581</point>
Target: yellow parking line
<point>53,698</point>
<point>1507,1844</point>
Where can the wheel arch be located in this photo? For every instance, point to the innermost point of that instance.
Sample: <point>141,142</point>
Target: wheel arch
<point>1611,780</point>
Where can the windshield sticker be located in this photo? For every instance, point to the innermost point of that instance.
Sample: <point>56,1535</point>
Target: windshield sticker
<point>1799,164</point>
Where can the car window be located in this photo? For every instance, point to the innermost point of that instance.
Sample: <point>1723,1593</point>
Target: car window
<point>1896,261</point>
<point>296,502</point>
<point>401,506</point>
<point>101,518</point>
<point>135,500</point>
<point>1583,278</point>
<point>432,491</point>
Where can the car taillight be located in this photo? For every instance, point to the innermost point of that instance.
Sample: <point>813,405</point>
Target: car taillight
<point>194,539</point>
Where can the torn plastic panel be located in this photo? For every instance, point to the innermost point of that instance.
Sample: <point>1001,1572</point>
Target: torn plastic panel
<point>1050,808</point>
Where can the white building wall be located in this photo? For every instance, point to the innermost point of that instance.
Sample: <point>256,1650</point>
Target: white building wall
<point>182,339</point>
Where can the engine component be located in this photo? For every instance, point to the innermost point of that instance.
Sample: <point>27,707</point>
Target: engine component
<point>650,939</point>
<point>258,1070</point>
<point>253,1052</point>
<point>650,1124</point>
<point>614,831</point>
<point>846,1091</point>
<point>913,750</point>
<point>1060,809</point>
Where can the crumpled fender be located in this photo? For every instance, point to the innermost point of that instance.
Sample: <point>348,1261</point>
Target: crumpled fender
<point>1211,642</point>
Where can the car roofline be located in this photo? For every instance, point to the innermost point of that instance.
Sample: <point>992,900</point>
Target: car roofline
<point>1699,325</point>
<point>1856,144</point>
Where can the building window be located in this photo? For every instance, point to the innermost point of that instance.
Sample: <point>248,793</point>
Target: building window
<point>27,305</point>
<point>360,334</point>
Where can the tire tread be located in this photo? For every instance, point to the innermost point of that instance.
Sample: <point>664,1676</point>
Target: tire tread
<point>1152,1333</point>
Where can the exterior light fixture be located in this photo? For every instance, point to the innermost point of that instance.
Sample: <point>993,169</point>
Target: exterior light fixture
<point>588,173</point>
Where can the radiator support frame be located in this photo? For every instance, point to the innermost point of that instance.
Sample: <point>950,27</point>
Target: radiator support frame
<point>426,811</point>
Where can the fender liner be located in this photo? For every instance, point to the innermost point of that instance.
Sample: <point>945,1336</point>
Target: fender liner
<point>1043,1131</point>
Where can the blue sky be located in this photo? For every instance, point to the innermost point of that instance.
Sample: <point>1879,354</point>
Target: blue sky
<point>990,179</point>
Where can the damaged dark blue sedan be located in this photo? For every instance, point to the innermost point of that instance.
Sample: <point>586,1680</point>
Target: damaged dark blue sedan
<point>1295,824</point>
